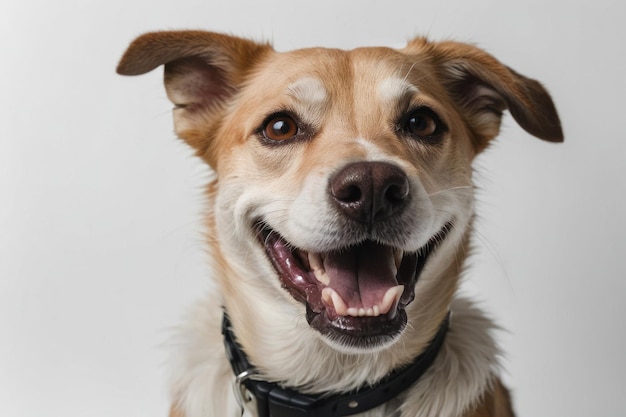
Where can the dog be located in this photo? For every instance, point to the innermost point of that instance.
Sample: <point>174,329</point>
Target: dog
<point>339,220</point>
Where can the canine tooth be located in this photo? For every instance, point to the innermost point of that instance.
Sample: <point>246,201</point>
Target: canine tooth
<point>321,276</point>
<point>391,298</point>
<point>326,295</point>
<point>333,298</point>
<point>398,257</point>
<point>315,262</point>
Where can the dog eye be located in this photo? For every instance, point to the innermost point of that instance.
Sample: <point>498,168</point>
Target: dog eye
<point>424,124</point>
<point>280,127</point>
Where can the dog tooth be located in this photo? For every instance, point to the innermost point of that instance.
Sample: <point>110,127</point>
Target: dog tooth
<point>326,295</point>
<point>340,305</point>
<point>398,254</point>
<point>317,266</point>
<point>321,276</point>
<point>362,312</point>
<point>333,298</point>
<point>315,260</point>
<point>391,298</point>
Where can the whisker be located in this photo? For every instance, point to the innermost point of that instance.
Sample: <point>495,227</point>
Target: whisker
<point>409,72</point>
<point>492,251</point>
<point>460,187</point>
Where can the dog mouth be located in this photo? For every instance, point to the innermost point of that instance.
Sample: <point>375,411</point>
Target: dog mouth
<point>355,296</point>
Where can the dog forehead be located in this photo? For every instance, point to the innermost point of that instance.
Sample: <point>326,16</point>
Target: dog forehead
<point>332,72</point>
<point>393,89</point>
<point>308,90</point>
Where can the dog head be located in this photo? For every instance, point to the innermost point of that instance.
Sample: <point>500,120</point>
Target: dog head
<point>343,190</point>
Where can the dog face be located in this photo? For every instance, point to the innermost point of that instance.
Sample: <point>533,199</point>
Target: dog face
<point>343,190</point>
<point>334,178</point>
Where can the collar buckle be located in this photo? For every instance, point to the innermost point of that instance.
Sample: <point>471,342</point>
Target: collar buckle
<point>242,395</point>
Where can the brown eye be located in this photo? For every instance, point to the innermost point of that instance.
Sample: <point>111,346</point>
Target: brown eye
<point>423,123</point>
<point>280,127</point>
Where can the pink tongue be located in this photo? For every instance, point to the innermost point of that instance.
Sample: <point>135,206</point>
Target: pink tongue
<point>363,274</point>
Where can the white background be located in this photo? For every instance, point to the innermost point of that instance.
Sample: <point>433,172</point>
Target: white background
<point>100,206</point>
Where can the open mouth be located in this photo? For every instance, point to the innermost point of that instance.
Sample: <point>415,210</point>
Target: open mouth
<point>356,296</point>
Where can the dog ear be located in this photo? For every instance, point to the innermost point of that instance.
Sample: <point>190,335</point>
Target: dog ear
<point>483,88</point>
<point>203,70</point>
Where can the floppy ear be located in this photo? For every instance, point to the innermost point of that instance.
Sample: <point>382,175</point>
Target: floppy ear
<point>203,70</point>
<point>483,88</point>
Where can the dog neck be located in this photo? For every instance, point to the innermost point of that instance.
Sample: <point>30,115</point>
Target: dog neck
<point>273,400</point>
<point>462,371</point>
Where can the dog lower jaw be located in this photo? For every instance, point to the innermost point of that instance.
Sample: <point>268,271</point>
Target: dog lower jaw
<point>354,310</point>
<point>371,328</point>
<point>358,334</point>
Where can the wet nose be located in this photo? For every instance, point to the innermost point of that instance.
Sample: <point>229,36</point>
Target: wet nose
<point>369,192</point>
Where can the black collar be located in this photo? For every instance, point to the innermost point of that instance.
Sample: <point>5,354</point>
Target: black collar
<point>274,401</point>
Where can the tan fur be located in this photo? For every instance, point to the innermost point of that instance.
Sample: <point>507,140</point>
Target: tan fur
<point>349,104</point>
<point>495,403</point>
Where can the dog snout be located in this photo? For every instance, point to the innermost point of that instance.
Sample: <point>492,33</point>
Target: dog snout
<point>369,192</point>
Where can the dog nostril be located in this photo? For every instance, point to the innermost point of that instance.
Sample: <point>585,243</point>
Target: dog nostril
<point>397,192</point>
<point>370,191</point>
<point>349,194</point>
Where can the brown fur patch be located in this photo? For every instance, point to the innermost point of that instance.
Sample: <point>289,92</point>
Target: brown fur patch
<point>496,403</point>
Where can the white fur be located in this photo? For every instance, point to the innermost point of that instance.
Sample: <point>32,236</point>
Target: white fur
<point>308,90</point>
<point>309,98</point>
<point>463,369</point>
<point>393,90</point>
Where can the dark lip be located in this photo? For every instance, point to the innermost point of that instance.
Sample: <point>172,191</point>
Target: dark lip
<point>359,332</point>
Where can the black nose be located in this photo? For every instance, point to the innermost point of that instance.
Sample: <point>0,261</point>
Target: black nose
<point>369,192</point>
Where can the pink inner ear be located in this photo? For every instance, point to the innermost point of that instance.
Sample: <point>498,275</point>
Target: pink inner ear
<point>192,82</point>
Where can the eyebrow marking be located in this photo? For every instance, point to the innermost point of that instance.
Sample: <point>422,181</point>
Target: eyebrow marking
<point>308,91</point>
<point>391,90</point>
<point>310,99</point>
